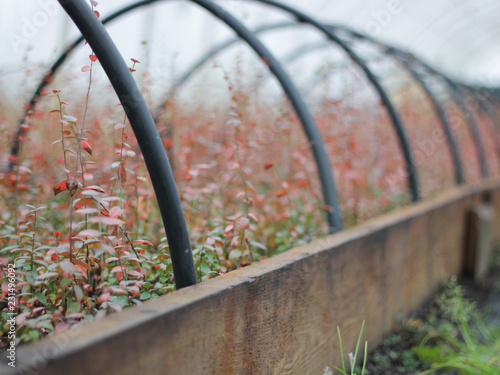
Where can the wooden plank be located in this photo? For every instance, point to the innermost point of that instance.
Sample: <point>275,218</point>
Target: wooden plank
<point>479,241</point>
<point>278,316</point>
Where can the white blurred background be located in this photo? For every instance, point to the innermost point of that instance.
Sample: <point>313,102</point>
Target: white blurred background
<point>460,37</point>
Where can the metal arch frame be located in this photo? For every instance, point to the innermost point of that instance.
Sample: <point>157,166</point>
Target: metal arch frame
<point>484,107</point>
<point>317,80</point>
<point>457,160</point>
<point>147,137</point>
<point>46,79</point>
<point>453,87</point>
<point>410,165</point>
<point>459,97</point>
<point>452,143</point>
<point>330,195</point>
<point>457,94</point>
<point>217,49</point>
<point>50,72</point>
<point>303,50</point>
<point>398,125</point>
<point>328,185</point>
<point>407,60</point>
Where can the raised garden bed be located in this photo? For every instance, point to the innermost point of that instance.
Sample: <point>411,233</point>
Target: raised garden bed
<point>280,316</point>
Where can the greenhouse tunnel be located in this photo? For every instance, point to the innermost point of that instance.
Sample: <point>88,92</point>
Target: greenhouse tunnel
<point>165,143</point>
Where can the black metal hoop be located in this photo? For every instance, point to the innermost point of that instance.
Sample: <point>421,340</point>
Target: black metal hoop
<point>147,137</point>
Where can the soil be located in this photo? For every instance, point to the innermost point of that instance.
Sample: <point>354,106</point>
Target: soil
<point>394,355</point>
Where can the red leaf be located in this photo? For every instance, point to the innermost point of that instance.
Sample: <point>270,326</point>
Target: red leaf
<point>268,165</point>
<point>280,193</point>
<point>106,220</point>
<point>60,187</point>
<point>89,233</point>
<point>114,305</point>
<point>135,61</point>
<point>168,142</point>
<point>115,212</point>
<point>104,297</point>
<point>142,242</point>
<point>93,57</point>
<point>353,144</point>
<point>244,222</point>
<point>80,263</point>
<point>253,217</point>
<point>83,202</point>
<point>86,147</point>
<point>116,269</point>
<point>122,173</point>
<point>86,68</point>
<point>97,13</point>
<point>95,188</point>
<point>54,111</point>
<point>57,233</point>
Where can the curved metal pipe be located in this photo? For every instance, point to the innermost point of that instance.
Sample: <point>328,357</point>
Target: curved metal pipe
<point>321,157</point>
<point>457,160</point>
<point>50,72</point>
<point>327,180</point>
<point>452,86</point>
<point>473,127</point>
<point>219,48</point>
<point>147,137</point>
<point>485,107</point>
<point>398,126</point>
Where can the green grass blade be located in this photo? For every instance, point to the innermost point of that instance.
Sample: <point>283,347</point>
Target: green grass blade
<point>364,359</point>
<point>357,346</point>
<point>341,350</point>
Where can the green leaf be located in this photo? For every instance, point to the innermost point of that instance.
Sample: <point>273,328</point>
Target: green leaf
<point>234,254</point>
<point>65,282</point>
<point>78,292</point>
<point>41,297</point>
<point>205,268</point>
<point>73,307</point>
<point>35,335</point>
<point>145,295</point>
<point>429,353</point>
<point>46,324</point>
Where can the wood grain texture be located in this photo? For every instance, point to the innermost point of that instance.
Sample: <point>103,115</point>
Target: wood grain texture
<point>280,316</point>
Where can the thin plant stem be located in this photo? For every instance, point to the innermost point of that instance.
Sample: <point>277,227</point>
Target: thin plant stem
<point>357,345</point>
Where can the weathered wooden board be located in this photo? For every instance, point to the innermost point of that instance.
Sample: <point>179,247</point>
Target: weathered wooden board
<point>280,316</point>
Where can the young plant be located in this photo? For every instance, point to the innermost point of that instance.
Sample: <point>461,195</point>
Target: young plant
<point>351,357</point>
<point>465,344</point>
